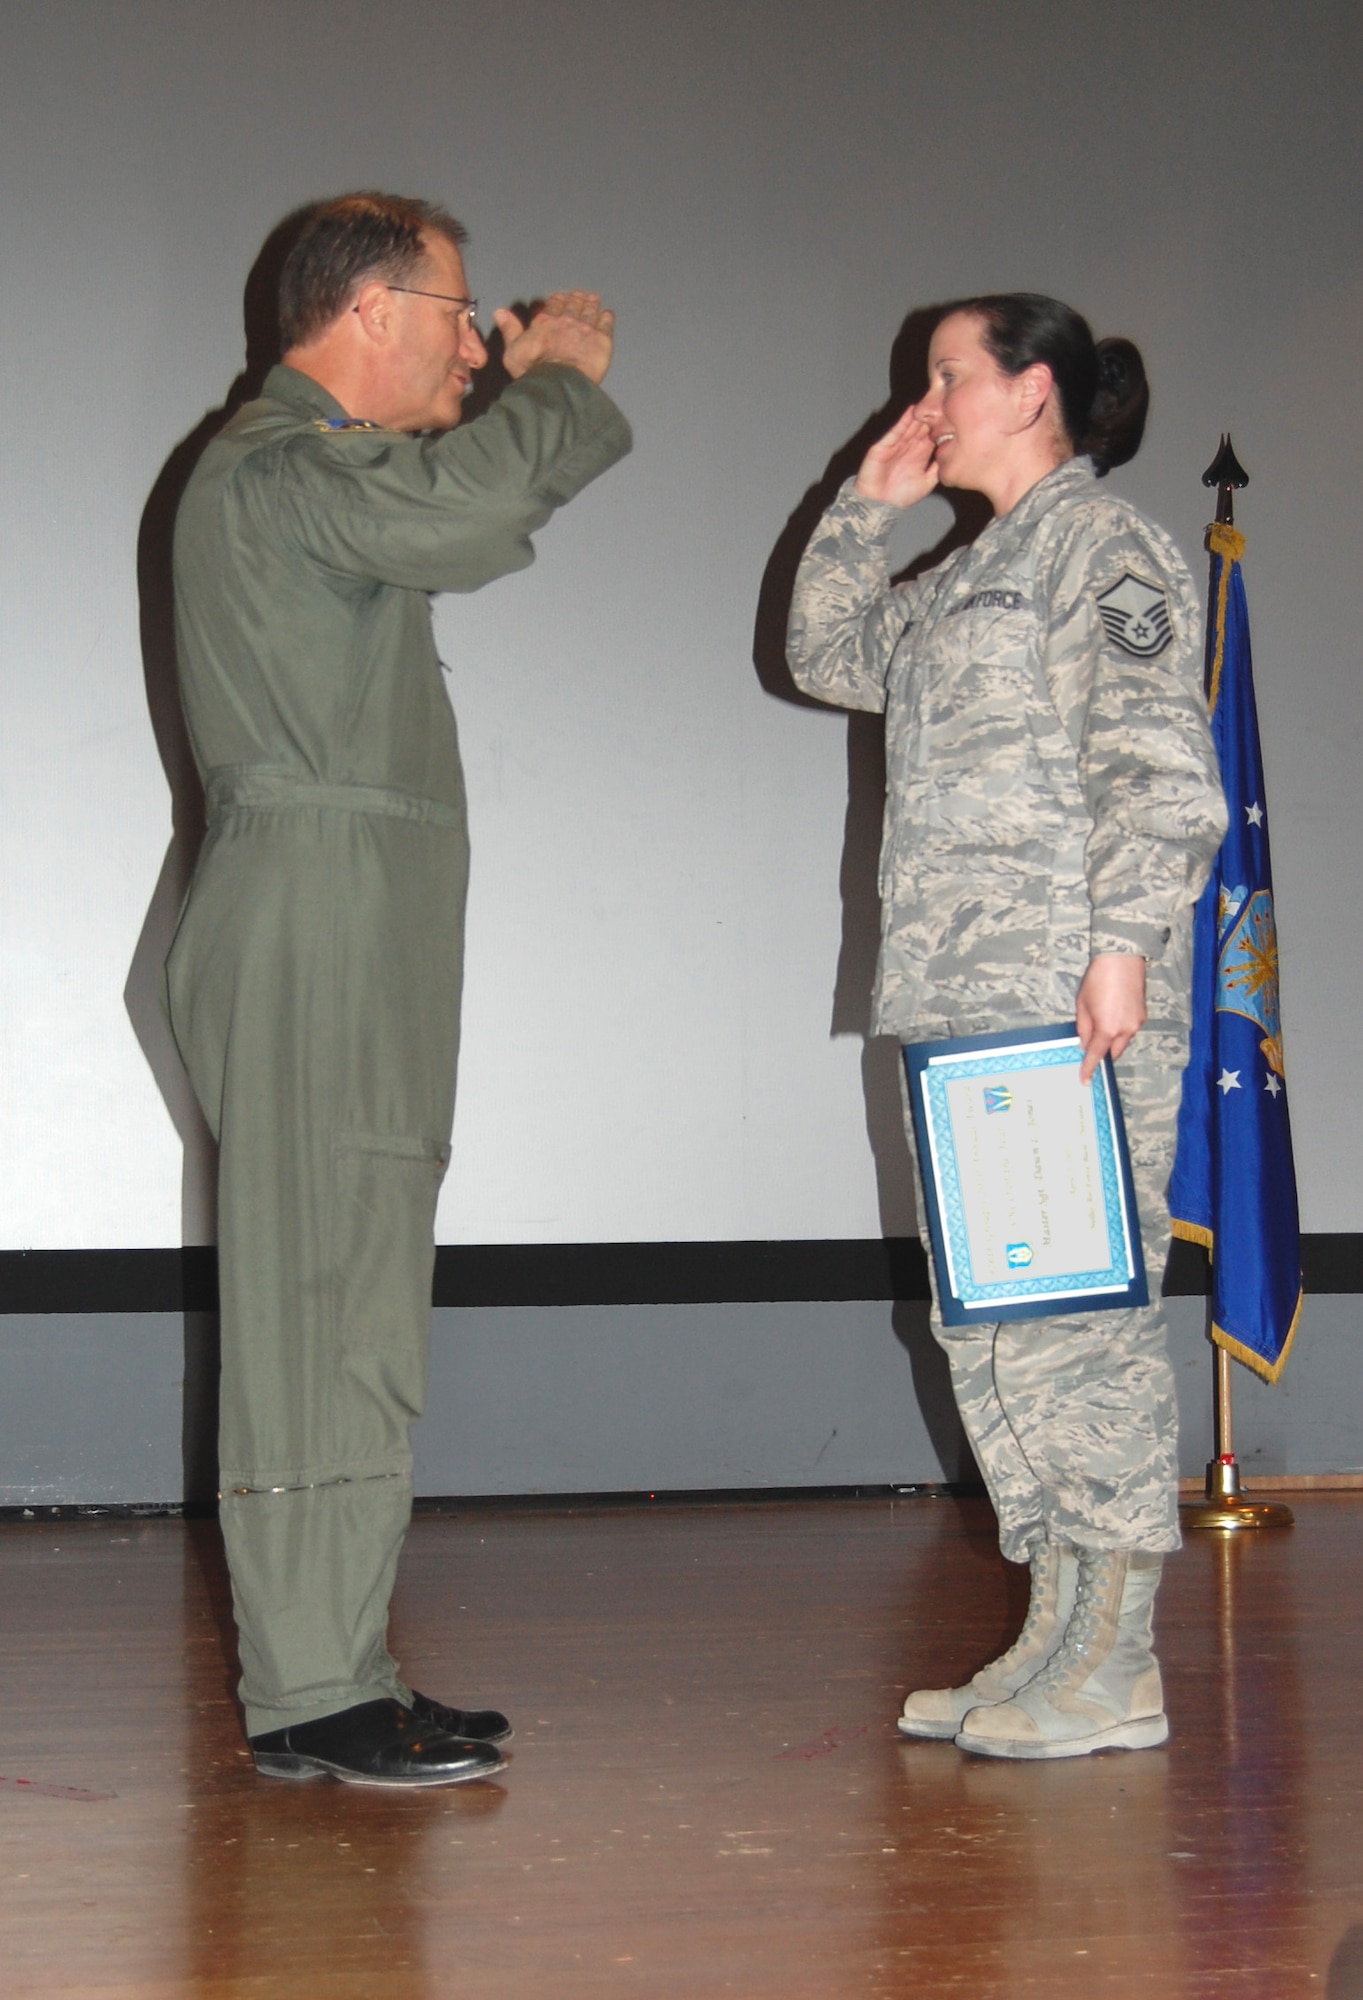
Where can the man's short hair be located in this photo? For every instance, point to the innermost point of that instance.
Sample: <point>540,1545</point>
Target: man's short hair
<point>345,242</point>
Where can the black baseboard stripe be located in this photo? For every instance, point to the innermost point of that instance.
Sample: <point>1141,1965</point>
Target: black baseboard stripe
<point>679,1274</point>
<point>535,1503</point>
<point>588,1274</point>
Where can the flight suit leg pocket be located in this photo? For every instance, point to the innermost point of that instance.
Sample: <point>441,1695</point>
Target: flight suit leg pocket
<point>385,1195</point>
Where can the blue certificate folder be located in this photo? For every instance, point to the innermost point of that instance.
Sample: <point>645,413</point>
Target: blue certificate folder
<point>1026,1176</point>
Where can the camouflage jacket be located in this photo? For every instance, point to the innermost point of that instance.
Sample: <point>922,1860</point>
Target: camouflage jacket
<point>1052,789</point>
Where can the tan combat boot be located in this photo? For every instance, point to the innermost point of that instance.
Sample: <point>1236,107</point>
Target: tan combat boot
<point>1100,1690</point>
<point>941,1711</point>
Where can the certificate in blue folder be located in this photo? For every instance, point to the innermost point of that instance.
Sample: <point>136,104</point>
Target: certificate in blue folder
<point>1027,1178</point>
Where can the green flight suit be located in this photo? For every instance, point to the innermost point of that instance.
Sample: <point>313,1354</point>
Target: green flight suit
<point>314,980</point>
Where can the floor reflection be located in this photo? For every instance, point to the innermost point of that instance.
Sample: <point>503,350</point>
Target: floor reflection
<point>707,1797</point>
<point>319,1884</point>
<point>1242,1823</point>
<point>309,1883</point>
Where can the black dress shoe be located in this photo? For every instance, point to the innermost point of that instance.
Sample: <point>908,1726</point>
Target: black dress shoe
<point>484,1725</point>
<point>377,1743</point>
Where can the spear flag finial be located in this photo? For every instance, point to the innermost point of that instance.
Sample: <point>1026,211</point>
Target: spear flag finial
<point>1226,474</point>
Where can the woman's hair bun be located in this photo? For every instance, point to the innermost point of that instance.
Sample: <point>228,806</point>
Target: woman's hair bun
<point>1120,405</point>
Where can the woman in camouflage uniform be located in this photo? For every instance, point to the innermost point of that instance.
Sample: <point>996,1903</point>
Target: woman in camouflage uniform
<point>1052,814</point>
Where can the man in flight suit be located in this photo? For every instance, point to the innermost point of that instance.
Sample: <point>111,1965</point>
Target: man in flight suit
<point>314,981</point>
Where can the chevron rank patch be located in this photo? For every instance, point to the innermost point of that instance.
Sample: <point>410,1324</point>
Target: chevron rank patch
<point>1135,616</point>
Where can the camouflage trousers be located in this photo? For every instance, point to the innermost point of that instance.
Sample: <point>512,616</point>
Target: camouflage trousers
<point>1073,1420</point>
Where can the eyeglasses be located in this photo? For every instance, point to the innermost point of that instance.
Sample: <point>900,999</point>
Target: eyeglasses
<point>467,316</point>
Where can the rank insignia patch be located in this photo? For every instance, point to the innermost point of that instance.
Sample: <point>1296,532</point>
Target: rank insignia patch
<point>1135,616</point>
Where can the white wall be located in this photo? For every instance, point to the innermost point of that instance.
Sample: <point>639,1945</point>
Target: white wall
<point>765,190</point>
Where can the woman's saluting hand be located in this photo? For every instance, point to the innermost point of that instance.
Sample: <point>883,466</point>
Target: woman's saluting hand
<point>900,468</point>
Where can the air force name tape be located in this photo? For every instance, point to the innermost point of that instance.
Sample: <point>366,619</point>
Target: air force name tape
<point>1135,616</point>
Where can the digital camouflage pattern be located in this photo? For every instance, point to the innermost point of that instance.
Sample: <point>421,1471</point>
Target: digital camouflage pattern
<point>1052,794</point>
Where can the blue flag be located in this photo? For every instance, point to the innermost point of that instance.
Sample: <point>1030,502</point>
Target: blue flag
<point>1233,1187</point>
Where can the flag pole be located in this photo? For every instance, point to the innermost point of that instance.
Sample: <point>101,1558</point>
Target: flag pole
<point>1227,1505</point>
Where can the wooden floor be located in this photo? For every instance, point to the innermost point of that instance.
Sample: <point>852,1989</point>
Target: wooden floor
<point>707,1796</point>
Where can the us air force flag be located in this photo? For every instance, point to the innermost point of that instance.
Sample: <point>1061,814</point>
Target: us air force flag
<point>1233,1187</point>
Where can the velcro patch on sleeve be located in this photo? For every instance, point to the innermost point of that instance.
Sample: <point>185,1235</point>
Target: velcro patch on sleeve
<point>1135,616</point>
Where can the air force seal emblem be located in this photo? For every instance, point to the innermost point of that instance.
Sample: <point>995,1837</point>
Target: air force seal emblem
<point>1135,616</point>
<point>1247,969</point>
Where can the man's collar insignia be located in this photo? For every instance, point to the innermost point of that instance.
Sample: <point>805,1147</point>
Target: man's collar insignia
<point>345,424</point>
<point>1135,616</point>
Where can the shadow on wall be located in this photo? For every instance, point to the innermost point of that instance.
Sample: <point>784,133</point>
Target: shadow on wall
<point>855,974</point>
<point>493,377</point>
<point>143,994</point>
<point>932,1386</point>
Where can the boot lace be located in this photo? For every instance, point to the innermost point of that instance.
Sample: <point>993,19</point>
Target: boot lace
<point>1071,1662</point>
<point>1046,1564</point>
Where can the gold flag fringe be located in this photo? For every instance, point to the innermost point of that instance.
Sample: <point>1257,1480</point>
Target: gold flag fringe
<point>1268,1371</point>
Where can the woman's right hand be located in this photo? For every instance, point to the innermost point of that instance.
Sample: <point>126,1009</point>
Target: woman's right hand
<point>900,468</point>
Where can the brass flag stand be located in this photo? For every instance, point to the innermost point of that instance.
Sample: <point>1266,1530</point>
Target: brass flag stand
<point>1227,1505</point>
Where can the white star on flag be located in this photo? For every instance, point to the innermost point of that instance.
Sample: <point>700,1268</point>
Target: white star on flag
<point>1273,1086</point>
<point>1228,1081</point>
<point>1255,814</point>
